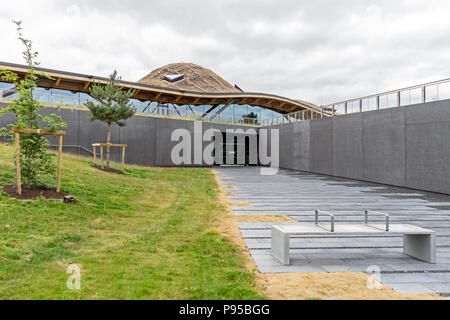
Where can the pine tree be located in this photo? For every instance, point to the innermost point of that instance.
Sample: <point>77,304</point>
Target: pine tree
<point>113,106</point>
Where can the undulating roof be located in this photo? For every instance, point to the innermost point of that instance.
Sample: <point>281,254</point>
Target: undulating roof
<point>185,84</point>
<point>189,77</point>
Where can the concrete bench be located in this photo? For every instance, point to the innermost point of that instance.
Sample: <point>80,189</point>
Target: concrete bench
<point>418,242</point>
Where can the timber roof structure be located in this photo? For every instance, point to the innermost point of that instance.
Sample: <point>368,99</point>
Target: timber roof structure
<point>198,86</point>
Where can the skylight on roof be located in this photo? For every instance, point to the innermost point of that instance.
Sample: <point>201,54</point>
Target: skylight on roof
<point>174,77</point>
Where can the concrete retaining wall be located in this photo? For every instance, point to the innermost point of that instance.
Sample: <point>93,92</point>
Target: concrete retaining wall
<point>148,138</point>
<point>406,146</point>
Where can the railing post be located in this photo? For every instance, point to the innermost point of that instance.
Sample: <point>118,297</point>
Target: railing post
<point>378,102</point>
<point>424,94</point>
<point>346,107</point>
<point>399,99</point>
<point>360,105</point>
<point>321,111</point>
<point>332,113</point>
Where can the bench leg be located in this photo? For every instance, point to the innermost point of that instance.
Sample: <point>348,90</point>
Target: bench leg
<point>280,246</point>
<point>420,246</point>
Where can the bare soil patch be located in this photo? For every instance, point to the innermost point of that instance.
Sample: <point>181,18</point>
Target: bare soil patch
<point>105,169</point>
<point>239,204</point>
<point>33,193</point>
<point>329,286</point>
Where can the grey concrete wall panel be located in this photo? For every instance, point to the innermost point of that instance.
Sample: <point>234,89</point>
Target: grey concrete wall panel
<point>428,156</point>
<point>321,156</point>
<point>4,121</point>
<point>71,118</point>
<point>404,146</point>
<point>302,141</point>
<point>384,155</point>
<point>140,138</point>
<point>438,111</point>
<point>348,146</point>
<point>286,146</point>
<point>164,146</point>
<point>205,127</point>
<point>97,132</point>
<point>384,117</point>
<point>384,146</point>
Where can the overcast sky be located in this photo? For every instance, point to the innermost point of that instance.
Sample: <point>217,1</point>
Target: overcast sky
<point>321,51</point>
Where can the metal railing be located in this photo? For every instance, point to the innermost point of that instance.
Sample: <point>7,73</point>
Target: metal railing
<point>366,219</point>
<point>190,114</point>
<point>161,111</point>
<point>428,92</point>
<point>316,219</point>
<point>293,117</point>
<point>422,93</point>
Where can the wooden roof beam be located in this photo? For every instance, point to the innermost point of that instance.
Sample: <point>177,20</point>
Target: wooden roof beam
<point>178,99</point>
<point>86,85</point>
<point>196,101</point>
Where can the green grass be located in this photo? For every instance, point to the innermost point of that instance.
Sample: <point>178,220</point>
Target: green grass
<point>148,234</point>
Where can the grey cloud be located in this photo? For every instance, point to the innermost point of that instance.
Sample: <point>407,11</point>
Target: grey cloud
<point>323,50</point>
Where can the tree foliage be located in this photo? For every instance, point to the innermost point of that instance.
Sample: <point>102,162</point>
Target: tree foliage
<point>35,160</point>
<point>112,105</point>
<point>249,118</point>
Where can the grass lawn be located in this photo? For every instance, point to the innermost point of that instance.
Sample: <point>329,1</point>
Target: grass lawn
<point>148,234</point>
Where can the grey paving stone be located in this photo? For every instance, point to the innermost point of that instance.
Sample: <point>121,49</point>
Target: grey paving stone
<point>418,267</point>
<point>411,278</point>
<point>288,269</point>
<point>353,268</point>
<point>331,256</point>
<point>442,288</point>
<point>298,194</point>
<point>409,287</point>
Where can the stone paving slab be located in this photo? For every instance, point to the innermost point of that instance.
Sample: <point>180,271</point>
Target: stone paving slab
<point>409,287</point>
<point>298,194</point>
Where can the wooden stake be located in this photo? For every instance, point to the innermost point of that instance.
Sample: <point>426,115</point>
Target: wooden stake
<point>19,178</point>
<point>101,155</point>
<point>95,155</point>
<point>58,175</point>
<point>123,159</point>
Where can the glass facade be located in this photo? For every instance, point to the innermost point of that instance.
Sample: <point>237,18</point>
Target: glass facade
<point>232,114</point>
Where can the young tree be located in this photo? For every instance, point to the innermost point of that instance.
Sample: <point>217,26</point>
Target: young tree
<point>113,106</point>
<point>35,160</point>
<point>251,115</point>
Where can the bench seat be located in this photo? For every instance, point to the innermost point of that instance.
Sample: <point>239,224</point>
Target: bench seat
<point>418,242</point>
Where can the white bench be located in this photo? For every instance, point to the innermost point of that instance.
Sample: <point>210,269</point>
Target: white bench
<point>418,242</point>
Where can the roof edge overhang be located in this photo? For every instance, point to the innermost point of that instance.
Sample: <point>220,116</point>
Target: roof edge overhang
<point>145,92</point>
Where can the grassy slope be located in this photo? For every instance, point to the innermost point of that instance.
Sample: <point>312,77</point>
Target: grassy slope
<point>144,235</point>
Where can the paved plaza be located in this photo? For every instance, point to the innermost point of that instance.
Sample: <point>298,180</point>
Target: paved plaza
<point>297,194</point>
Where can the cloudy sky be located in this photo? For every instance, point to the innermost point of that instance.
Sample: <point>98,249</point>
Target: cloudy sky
<point>322,51</point>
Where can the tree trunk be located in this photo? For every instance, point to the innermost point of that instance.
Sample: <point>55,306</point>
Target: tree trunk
<point>108,148</point>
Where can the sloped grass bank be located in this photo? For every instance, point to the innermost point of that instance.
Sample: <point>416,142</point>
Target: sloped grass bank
<point>147,234</point>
